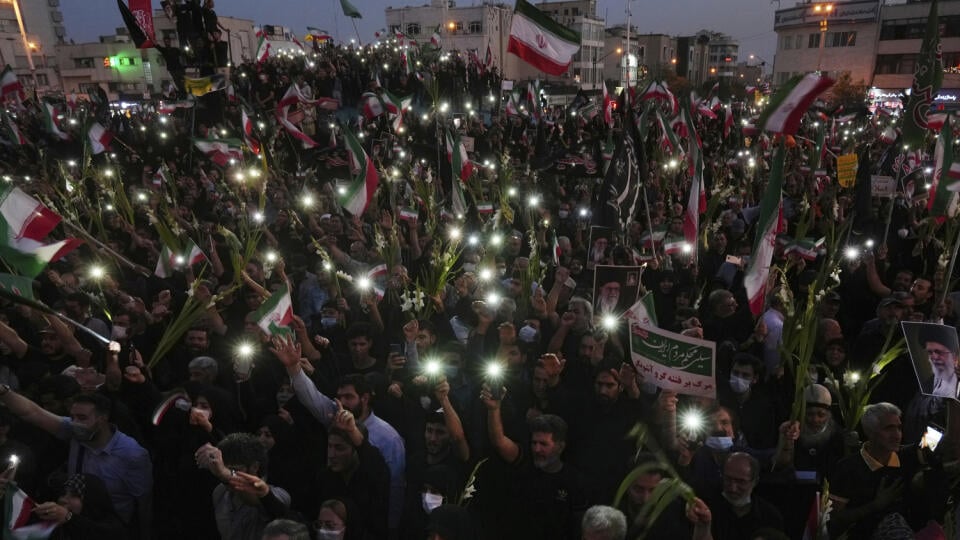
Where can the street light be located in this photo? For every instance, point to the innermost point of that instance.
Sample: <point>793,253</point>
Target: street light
<point>823,10</point>
<point>618,50</point>
<point>23,35</point>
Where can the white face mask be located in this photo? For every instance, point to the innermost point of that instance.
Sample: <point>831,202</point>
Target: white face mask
<point>739,385</point>
<point>719,443</point>
<point>431,501</point>
<point>330,534</point>
<point>527,334</point>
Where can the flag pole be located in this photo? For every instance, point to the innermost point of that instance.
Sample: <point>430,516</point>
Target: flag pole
<point>646,208</point>
<point>17,299</point>
<point>90,238</point>
<point>893,200</point>
<point>947,277</point>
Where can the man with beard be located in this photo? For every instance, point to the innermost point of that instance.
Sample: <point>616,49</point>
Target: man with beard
<point>354,394</point>
<point>608,297</point>
<point>97,447</point>
<point>738,513</point>
<point>600,447</point>
<point>940,344</point>
<point>543,498</point>
<point>817,443</point>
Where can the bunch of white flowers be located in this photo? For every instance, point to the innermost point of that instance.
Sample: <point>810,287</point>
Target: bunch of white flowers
<point>412,300</point>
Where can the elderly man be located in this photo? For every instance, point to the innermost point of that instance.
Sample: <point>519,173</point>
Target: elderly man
<point>738,513</point>
<point>609,297</point>
<point>940,344</point>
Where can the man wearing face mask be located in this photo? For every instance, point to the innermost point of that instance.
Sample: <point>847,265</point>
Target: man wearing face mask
<point>737,512</point>
<point>759,411</point>
<point>97,448</point>
<point>816,444</point>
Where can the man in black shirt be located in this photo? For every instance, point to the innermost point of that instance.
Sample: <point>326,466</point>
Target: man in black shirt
<point>738,512</point>
<point>171,57</point>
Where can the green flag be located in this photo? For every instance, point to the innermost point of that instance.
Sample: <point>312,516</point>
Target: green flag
<point>942,201</point>
<point>18,285</point>
<point>926,83</point>
<point>349,10</point>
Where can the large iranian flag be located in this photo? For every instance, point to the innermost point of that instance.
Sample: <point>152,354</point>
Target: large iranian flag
<point>697,203</point>
<point>788,105</point>
<point>24,222</point>
<point>263,47</point>
<point>169,261</point>
<point>50,121</point>
<point>755,280</point>
<point>360,191</point>
<point>275,315</point>
<point>457,156</point>
<point>99,138</point>
<point>540,41</point>
<point>942,201</point>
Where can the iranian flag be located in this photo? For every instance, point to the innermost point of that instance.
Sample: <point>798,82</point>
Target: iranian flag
<point>22,522</point>
<point>316,34</point>
<point>457,156</point>
<point>755,280</point>
<point>360,192</point>
<point>642,313</point>
<point>24,222</point>
<point>291,98</point>
<point>697,203</point>
<point>50,121</point>
<point>435,38</point>
<point>263,47</point>
<point>220,151</point>
<point>790,103</point>
<point>10,85</point>
<point>169,261</point>
<point>275,315</point>
<point>11,130</point>
<point>942,201</point>
<point>252,143</point>
<point>540,41</point>
<point>99,137</point>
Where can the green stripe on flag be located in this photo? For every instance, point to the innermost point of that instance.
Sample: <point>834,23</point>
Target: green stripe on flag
<point>546,23</point>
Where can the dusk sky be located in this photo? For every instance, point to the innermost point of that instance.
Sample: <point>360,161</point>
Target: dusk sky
<point>750,21</point>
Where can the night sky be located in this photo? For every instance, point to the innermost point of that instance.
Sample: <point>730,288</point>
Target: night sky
<point>750,21</point>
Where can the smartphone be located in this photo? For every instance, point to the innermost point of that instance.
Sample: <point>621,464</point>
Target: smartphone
<point>732,259</point>
<point>931,437</point>
<point>396,348</point>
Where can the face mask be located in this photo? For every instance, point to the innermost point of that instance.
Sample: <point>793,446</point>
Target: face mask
<point>737,502</point>
<point>284,397</point>
<point>118,332</point>
<point>330,534</point>
<point>527,334</point>
<point>739,385</point>
<point>720,444</point>
<point>328,322</point>
<point>82,433</point>
<point>431,502</point>
<point>564,214</point>
<point>453,371</point>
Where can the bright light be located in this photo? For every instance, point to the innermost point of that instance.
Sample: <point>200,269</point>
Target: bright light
<point>108,173</point>
<point>511,192</point>
<point>108,208</point>
<point>609,322</point>
<point>584,212</point>
<point>258,217</point>
<point>854,376</point>
<point>141,196</point>
<point>327,266</point>
<point>493,299</point>
<point>494,370</point>
<point>851,252</point>
<point>244,350</point>
<point>271,257</point>
<point>97,272</point>
<point>692,421</point>
<point>686,248</point>
<point>444,106</point>
<point>495,240</point>
<point>71,163</point>
<point>455,233</point>
<point>533,201</point>
<point>473,239</point>
<point>868,243</point>
<point>307,200</point>
<point>432,368</point>
<point>180,259</point>
<point>363,283</point>
<point>486,274</point>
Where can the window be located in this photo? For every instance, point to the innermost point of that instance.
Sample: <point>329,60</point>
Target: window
<point>576,12</point>
<point>395,29</point>
<point>814,41</point>
<point>476,27</point>
<point>124,61</point>
<point>641,52</point>
<point>413,29</point>
<point>42,79</point>
<point>841,39</point>
<point>458,26</point>
<point>786,42</point>
<point>83,63</point>
<point>798,43</point>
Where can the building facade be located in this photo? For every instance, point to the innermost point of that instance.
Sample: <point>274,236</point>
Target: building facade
<point>44,29</point>
<point>834,38</point>
<point>127,73</point>
<point>647,55</point>
<point>477,27</point>
<point>877,45</point>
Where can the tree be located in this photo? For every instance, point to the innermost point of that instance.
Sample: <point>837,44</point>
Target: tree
<point>846,92</point>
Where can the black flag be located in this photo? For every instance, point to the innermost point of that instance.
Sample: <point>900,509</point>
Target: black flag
<point>137,34</point>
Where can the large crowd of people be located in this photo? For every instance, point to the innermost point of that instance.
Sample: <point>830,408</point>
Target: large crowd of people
<point>447,373</point>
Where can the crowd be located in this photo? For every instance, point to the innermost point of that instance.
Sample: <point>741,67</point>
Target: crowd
<point>446,373</point>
